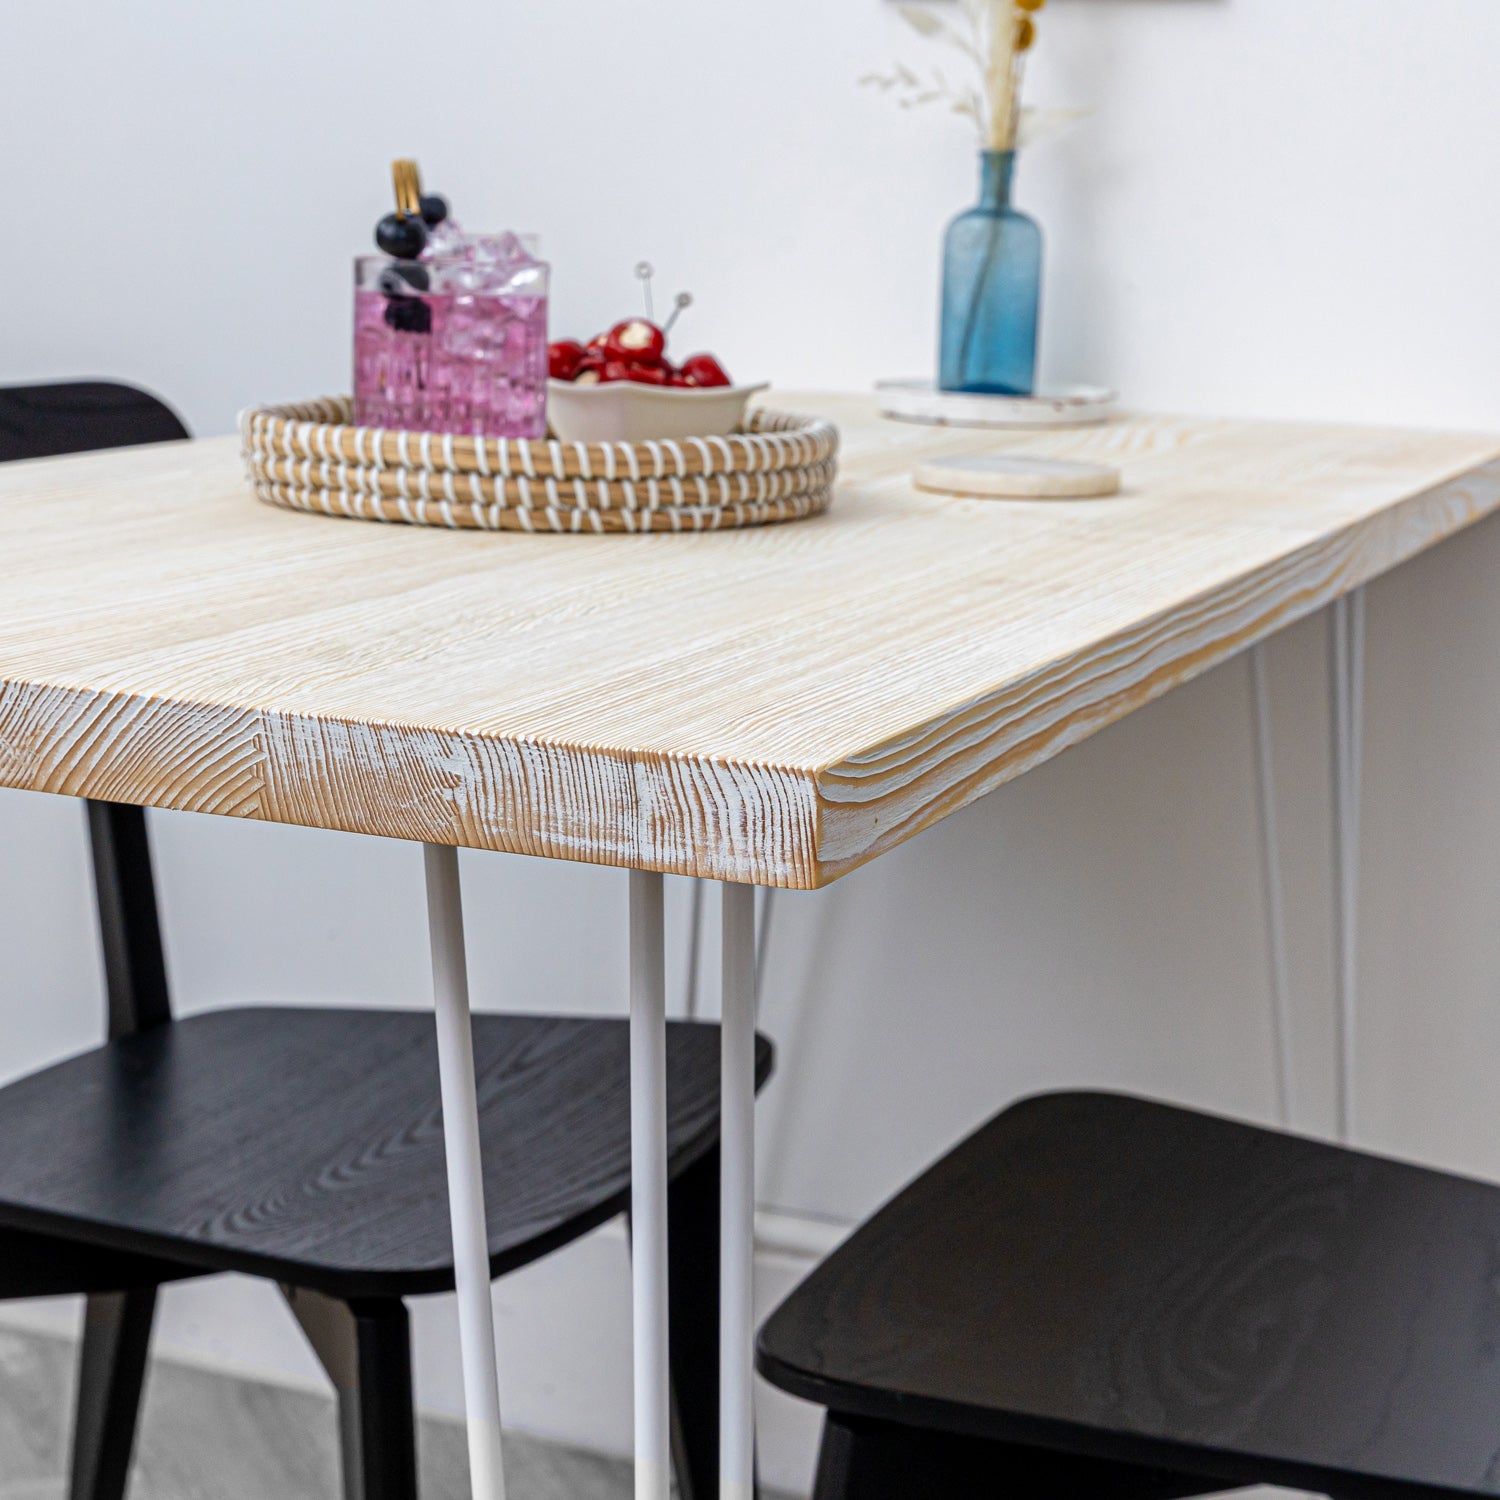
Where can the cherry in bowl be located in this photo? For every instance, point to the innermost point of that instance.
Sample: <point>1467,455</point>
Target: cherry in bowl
<point>703,370</point>
<point>636,341</point>
<point>565,358</point>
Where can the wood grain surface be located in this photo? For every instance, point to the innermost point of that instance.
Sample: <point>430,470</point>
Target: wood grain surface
<point>774,706</point>
<point>306,1145</point>
<point>1147,1285</point>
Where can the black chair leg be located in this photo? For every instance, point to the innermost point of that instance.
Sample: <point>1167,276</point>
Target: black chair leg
<point>365,1348</point>
<point>861,1460</point>
<point>111,1376</point>
<point>693,1314</point>
<point>839,1466</point>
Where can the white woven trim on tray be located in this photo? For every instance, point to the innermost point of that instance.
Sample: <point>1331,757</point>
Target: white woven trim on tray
<point>321,429</point>
<point>495,516</point>
<point>545,493</point>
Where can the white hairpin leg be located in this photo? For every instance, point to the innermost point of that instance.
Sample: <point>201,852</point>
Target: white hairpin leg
<point>648,1186</point>
<point>695,947</point>
<point>471,1257</point>
<point>1346,687</point>
<point>737,1211</point>
<point>765,910</point>
<point>1270,869</point>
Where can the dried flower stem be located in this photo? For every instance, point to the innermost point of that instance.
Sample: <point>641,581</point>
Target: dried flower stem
<point>1001,83</point>
<point>994,37</point>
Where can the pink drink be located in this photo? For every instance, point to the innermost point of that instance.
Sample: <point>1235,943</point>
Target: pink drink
<point>466,355</point>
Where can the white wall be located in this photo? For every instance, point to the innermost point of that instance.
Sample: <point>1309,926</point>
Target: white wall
<point>1275,208</point>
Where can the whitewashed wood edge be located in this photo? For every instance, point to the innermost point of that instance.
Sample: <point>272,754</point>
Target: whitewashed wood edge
<point>794,819</point>
<point>719,820</point>
<point>783,826</point>
<point>879,797</point>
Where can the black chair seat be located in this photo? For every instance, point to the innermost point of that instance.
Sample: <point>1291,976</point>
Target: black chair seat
<point>1097,1275</point>
<point>41,1265</point>
<point>306,1144</point>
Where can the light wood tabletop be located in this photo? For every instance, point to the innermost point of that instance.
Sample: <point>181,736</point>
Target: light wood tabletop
<point>775,705</point>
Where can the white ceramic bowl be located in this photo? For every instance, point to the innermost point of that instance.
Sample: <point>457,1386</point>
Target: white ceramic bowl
<point>623,412</point>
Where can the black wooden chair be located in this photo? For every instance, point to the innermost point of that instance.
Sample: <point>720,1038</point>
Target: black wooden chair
<point>1100,1296</point>
<point>74,416</point>
<point>304,1145</point>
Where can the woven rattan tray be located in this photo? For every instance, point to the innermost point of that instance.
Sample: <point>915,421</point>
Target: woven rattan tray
<point>308,456</point>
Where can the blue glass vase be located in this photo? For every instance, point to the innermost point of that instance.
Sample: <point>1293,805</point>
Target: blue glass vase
<point>992,284</point>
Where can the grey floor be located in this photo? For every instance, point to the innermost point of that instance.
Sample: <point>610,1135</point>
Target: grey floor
<point>210,1436</point>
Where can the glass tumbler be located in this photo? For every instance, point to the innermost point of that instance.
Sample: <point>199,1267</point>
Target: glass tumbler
<point>453,344</point>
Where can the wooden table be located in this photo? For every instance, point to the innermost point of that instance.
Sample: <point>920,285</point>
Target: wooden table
<point>770,707</point>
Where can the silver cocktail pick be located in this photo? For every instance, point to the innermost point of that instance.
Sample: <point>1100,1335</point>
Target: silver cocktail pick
<point>644,271</point>
<point>684,299</point>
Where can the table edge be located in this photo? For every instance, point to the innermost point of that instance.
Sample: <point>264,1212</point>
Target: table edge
<point>799,827</point>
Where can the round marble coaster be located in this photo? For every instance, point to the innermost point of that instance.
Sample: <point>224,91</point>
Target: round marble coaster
<point>921,401</point>
<point>1015,476</point>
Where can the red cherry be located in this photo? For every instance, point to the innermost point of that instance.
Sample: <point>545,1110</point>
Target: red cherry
<point>614,370</point>
<point>657,374</point>
<point>563,358</point>
<point>704,370</point>
<point>678,381</point>
<point>635,342</point>
<point>596,344</point>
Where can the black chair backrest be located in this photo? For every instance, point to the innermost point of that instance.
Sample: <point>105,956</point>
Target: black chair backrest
<point>37,421</point>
